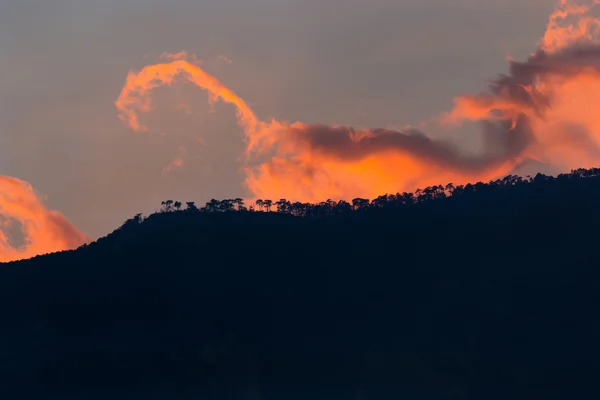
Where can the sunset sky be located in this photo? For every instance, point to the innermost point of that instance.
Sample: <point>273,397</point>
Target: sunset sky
<point>379,63</point>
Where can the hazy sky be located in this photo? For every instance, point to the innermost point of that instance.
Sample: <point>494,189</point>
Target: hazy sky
<point>373,63</point>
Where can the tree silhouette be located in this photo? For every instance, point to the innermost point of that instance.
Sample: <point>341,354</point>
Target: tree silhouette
<point>167,206</point>
<point>298,209</point>
<point>191,206</point>
<point>226,205</point>
<point>213,205</point>
<point>259,203</point>
<point>283,206</point>
<point>239,203</point>
<point>380,201</point>
<point>177,205</point>
<point>359,203</point>
<point>343,206</point>
<point>267,204</point>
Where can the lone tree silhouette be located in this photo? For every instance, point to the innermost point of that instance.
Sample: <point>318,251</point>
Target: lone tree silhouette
<point>259,204</point>
<point>268,204</point>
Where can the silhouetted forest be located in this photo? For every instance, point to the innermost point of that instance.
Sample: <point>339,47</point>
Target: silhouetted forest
<point>483,291</point>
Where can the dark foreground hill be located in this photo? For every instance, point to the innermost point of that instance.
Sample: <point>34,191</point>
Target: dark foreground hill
<point>479,292</point>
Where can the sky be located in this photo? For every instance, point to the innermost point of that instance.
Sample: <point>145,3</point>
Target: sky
<point>364,64</point>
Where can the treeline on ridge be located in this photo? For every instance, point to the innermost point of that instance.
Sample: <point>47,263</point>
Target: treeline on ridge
<point>482,291</point>
<point>385,201</point>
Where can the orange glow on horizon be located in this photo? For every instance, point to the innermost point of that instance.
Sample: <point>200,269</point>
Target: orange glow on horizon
<point>545,109</point>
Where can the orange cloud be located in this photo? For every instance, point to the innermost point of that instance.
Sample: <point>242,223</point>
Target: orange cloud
<point>570,23</point>
<point>540,110</point>
<point>544,109</point>
<point>43,231</point>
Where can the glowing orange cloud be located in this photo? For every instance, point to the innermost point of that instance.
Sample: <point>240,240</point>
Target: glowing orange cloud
<point>544,109</point>
<point>570,23</point>
<point>304,169</point>
<point>43,230</point>
<point>135,94</point>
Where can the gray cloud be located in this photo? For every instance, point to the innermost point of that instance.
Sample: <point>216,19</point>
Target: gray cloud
<point>343,143</point>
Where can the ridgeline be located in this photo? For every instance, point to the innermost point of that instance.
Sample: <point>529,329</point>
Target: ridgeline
<point>484,291</point>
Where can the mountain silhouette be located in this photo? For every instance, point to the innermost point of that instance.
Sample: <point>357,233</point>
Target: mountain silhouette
<point>483,291</point>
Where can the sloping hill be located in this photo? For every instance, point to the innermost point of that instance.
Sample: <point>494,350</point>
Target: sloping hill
<point>487,291</point>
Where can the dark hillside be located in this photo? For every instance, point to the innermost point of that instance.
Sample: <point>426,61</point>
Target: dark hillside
<point>487,291</point>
